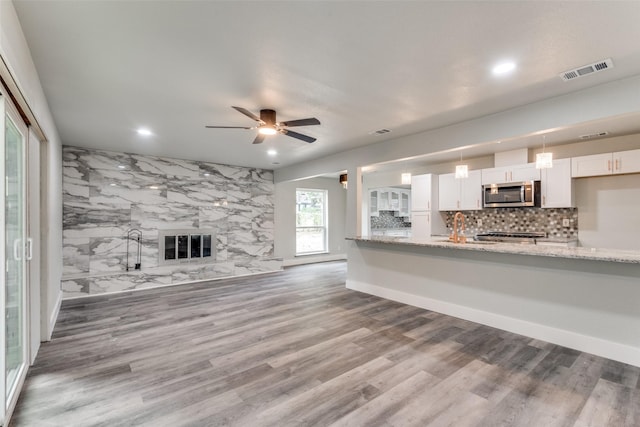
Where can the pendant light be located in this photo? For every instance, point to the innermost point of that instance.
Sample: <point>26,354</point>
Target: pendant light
<point>405,178</point>
<point>544,160</point>
<point>462,171</point>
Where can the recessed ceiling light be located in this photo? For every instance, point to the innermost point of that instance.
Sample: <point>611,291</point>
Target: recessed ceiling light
<point>122,167</point>
<point>144,132</point>
<point>503,68</point>
<point>112,184</point>
<point>153,187</point>
<point>272,152</point>
<point>206,174</point>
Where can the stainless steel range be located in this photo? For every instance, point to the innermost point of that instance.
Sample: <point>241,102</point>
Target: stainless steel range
<point>510,236</point>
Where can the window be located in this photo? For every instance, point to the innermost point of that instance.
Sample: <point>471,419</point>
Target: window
<point>311,221</point>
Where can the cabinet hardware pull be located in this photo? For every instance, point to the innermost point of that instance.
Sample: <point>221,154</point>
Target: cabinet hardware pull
<point>608,165</point>
<point>617,168</point>
<point>544,200</point>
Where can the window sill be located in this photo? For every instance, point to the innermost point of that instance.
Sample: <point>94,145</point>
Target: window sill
<point>311,253</point>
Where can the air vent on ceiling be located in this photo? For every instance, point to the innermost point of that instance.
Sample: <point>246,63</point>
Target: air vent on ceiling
<point>585,70</point>
<point>594,135</point>
<point>380,132</point>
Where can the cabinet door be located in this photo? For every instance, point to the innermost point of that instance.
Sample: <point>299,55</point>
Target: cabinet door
<point>420,224</point>
<point>557,185</point>
<point>394,200</point>
<point>421,192</point>
<point>626,161</point>
<point>471,191</point>
<point>449,192</point>
<point>404,204</point>
<point>527,172</point>
<point>594,165</point>
<point>495,175</point>
<point>383,200</point>
<point>373,203</point>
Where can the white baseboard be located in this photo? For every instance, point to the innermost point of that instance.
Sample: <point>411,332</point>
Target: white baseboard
<point>53,318</point>
<point>598,346</point>
<point>310,259</point>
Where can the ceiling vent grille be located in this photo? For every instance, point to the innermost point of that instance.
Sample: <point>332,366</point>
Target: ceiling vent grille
<point>587,69</point>
<point>380,132</point>
<point>594,135</point>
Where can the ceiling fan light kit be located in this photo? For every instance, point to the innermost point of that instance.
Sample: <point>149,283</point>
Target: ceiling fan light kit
<point>267,125</point>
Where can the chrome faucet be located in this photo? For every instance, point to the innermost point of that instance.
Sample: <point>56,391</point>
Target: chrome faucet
<point>455,237</point>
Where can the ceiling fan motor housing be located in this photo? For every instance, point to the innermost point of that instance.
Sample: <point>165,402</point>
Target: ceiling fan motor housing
<point>268,116</point>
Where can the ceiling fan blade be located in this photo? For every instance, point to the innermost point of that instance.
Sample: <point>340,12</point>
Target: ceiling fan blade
<point>228,127</point>
<point>259,139</point>
<point>247,113</point>
<point>297,135</point>
<point>302,122</point>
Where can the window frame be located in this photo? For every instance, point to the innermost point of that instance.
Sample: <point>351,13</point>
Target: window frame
<point>325,220</point>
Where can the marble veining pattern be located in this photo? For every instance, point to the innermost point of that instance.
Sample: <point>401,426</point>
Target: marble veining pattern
<point>106,193</point>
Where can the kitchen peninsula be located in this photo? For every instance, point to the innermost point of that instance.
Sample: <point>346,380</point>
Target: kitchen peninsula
<point>577,297</point>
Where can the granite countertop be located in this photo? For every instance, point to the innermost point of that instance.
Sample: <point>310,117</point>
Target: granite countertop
<point>595,254</point>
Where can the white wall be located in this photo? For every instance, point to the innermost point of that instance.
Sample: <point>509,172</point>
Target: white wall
<point>285,219</point>
<point>15,53</point>
<point>591,306</point>
<point>609,211</point>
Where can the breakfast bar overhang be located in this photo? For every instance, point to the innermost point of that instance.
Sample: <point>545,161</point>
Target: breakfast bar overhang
<point>579,298</point>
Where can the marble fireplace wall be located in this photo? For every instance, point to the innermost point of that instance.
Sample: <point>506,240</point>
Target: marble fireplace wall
<point>106,193</point>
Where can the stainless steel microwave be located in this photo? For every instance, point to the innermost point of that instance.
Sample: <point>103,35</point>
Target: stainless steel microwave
<point>513,194</point>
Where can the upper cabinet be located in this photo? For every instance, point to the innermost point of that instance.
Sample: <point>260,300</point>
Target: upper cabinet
<point>606,164</point>
<point>515,173</point>
<point>405,203</point>
<point>593,165</point>
<point>373,203</point>
<point>460,194</point>
<point>557,186</point>
<point>424,192</point>
<point>389,199</point>
<point>626,161</point>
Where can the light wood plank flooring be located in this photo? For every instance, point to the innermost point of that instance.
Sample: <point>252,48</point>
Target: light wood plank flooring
<point>298,349</point>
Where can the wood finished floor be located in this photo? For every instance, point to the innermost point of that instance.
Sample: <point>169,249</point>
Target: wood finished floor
<point>298,349</point>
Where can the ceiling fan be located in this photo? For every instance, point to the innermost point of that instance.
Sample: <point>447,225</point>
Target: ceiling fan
<point>267,125</point>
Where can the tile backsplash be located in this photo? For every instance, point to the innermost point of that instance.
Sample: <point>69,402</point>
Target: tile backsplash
<point>520,219</point>
<point>386,219</point>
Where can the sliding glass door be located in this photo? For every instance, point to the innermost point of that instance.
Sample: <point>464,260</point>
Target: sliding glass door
<point>16,254</point>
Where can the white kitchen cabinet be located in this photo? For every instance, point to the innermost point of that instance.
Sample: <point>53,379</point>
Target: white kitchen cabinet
<point>424,224</point>
<point>460,194</point>
<point>373,203</point>
<point>626,161</point>
<point>394,200</point>
<point>405,204</point>
<point>384,199</point>
<point>421,224</point>
<point>593,165</point>
<point>514,173</point>
<point>424,192</point>
<point>557,185</point>
<point>606,164</point>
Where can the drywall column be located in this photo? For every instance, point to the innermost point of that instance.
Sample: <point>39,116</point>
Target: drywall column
<point>353,223</point>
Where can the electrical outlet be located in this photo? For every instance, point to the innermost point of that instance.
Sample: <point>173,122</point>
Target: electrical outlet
<point>479,223</point>
<point>566,222</point>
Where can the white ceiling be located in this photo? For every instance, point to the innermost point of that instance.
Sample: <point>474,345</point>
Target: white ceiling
<point>109,67</point>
